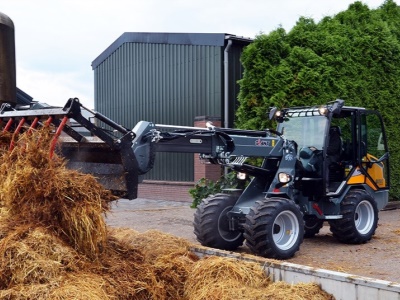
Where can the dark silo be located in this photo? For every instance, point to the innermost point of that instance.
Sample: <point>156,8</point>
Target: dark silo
<point>8,87</point>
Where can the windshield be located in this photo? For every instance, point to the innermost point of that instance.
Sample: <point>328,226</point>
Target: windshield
<point>305,131</point>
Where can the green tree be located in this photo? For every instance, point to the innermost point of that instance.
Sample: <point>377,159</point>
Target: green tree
<point>354,55</point>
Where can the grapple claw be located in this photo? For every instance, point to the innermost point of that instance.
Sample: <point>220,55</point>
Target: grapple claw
<point>33,125</point>
<point>8,125</point>
<point>56,135</point>
<point>16,132</point>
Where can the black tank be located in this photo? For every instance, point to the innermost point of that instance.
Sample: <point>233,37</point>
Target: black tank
<point>8,86</point>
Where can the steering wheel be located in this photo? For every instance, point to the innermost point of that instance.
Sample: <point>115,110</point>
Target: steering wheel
<point>309,158</point>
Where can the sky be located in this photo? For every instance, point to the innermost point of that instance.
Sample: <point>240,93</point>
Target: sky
<point>57,40</point>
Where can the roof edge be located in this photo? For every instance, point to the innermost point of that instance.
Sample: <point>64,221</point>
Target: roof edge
<point>201,39</point>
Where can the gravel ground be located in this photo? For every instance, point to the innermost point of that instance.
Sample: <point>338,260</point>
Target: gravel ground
<point>379,258</point>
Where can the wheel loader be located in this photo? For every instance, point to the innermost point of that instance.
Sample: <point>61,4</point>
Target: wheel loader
<point>324,163</point>
<point>301,183</point>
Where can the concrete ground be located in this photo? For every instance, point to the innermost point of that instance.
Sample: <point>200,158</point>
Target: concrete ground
<point>379,258</point>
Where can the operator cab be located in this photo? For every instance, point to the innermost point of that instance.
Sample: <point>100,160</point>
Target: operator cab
<point>336,146</point>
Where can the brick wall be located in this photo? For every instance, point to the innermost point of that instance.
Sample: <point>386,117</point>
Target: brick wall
<point>202,169</point>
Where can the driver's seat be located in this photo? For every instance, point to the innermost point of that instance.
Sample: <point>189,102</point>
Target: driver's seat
<point>335,146</point>
<point>310,161</point>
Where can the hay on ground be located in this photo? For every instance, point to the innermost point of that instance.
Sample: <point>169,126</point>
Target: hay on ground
<point>169,257</point>
<point>54,243</point>
<point>35,256</point>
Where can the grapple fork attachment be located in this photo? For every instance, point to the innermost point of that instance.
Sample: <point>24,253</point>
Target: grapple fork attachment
<point>100,147</point>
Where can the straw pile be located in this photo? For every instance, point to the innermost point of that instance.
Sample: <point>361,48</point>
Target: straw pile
<point>38,190</point>
<point>54,243</point>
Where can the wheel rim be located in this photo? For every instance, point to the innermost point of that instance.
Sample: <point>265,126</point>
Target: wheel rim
<point>223,227</point>
<point>285,230</point>
<point>364,217</point>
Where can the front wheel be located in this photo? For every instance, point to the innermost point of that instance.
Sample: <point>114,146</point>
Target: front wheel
<point>360,218</point>
<point>274,228</point>
<point>211,223</point>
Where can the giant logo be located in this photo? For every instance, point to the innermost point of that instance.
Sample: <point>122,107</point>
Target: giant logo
<point>263,143</point>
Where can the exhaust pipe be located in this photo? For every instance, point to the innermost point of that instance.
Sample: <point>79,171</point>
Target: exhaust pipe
<point>8,84</point>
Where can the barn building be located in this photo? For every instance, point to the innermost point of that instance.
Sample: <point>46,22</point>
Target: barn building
<point>180,79</point>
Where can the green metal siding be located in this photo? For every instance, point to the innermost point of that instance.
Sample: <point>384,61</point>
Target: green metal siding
<point>235,74</point>
<point>164,84</point>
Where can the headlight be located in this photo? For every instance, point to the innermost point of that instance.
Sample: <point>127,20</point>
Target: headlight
<point>323,110</point>
<point>284,177</point>
<point>241,176</point>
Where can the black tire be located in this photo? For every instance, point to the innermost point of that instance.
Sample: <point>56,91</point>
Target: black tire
<point>211,224</point>
<point>274,228</point>
<point>312,226</point>
<point>360,218</point>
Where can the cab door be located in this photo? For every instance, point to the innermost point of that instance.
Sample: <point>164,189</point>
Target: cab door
<point>373,150</point>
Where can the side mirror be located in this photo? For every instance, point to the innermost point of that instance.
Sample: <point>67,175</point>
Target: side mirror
<point>277,115</point>
<point>337,106</point>
<point>383,157</point>
<point>272,113</point>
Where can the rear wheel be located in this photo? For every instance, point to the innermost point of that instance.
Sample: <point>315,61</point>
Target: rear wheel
<point>211,223</point>
<point>360,218</point>
<point>274,228</point>
<point>312,226</point>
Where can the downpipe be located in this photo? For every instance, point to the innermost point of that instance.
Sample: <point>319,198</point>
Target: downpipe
<point>226,83</point>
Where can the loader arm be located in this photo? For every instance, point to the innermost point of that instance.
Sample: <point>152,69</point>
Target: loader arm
<point>227,147</point>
